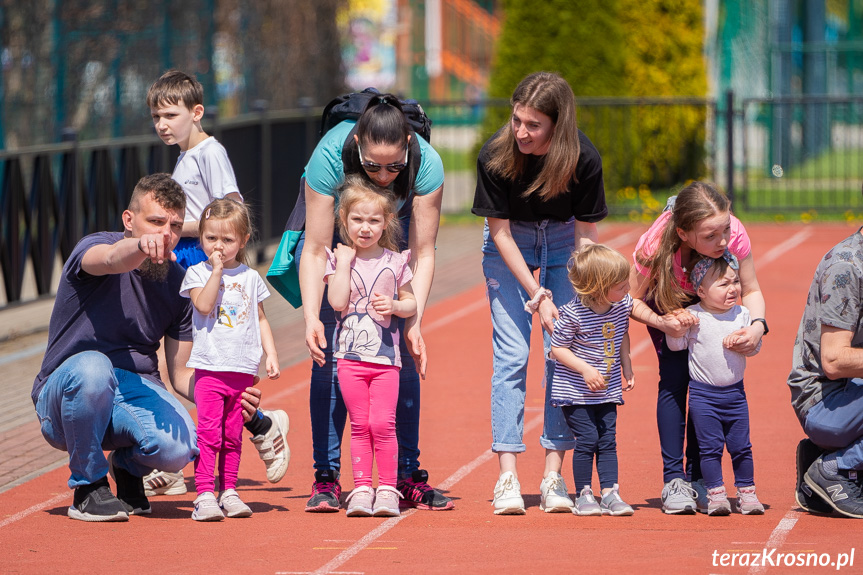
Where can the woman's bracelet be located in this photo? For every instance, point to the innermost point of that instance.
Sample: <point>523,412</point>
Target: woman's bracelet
<point>541,294</point>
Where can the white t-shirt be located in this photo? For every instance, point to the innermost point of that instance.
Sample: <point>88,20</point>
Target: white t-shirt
<point>709,361</point>
<point>205,173</point>
<point>229,338</point>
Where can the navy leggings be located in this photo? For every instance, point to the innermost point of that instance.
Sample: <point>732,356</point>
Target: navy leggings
<point>721,417</point>
<point>671,420</point>
<point>595,429</point>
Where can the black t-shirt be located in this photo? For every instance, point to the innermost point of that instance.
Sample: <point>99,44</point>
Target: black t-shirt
<point>497,197</point>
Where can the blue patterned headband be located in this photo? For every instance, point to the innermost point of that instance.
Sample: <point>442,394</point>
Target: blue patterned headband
<point>700,269</point>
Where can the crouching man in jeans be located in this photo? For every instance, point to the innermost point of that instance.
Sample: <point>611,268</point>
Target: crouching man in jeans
<point>99,386</point>
<point>826,384</point>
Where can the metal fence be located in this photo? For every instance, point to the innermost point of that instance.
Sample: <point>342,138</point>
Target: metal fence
<point>789,155</point>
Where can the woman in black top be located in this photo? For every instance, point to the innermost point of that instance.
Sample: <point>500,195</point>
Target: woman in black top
<point>540,188</point>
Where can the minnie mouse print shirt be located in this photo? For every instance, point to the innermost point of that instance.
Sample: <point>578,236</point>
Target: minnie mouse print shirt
<point>362,334</point>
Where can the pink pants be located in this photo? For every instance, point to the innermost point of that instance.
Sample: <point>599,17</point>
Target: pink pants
<point>220,427</point>
<point>371,393</point>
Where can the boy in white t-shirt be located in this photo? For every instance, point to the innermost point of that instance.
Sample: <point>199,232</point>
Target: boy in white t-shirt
<point>176,102</point>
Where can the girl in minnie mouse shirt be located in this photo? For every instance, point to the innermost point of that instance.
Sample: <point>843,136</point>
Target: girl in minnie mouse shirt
<point>369,287</point>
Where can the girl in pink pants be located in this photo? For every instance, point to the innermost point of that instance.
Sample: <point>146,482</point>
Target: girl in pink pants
<point>369,287</point>
<point>230,332</point>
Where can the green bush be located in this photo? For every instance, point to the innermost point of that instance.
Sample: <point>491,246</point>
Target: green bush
<point>618,48</point>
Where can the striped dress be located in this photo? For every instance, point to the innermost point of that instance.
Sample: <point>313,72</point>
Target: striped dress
<point>595,339</point>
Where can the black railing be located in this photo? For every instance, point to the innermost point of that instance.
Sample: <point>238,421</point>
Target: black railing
<point>784,155</point>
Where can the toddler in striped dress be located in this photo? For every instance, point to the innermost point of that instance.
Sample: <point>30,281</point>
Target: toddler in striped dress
<point>591,346</point>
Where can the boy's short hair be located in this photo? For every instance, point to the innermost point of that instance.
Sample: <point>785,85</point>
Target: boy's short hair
<point>175,86</point>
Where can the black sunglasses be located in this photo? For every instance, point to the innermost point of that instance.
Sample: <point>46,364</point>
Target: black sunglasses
<point>372,167</point>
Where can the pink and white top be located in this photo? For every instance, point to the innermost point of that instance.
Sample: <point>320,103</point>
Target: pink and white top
<point>738,244</point>
<point>362,333</point>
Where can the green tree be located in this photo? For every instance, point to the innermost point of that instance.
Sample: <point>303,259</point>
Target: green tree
<point>617,48</point>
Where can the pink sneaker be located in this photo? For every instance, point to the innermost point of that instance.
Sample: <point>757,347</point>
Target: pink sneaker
<point>387,502</point>
<point>747,501</point>
<point>361,502</point>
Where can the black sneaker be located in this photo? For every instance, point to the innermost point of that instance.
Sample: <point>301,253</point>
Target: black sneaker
<point>807,453</point>
<point>416,492</point>
<point>130,489</point>
<point>95,502</point>
<point>841,491</point>
<point>325,492</point>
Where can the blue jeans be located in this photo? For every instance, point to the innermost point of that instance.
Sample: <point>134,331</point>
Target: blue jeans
<point>546,246</point>
<point>327,408</point>
<point>88,406</point>
<point>595,426</point>
<point>836,424</point>
<point>721,418</point>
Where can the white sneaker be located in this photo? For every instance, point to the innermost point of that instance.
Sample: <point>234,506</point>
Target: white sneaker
<point>678,498</point>
<point>554,497</point>
<point>507,495</point>
<point>164,483</point>
<point>232,505</point>
<point>207,508</point>
<point>273,446</point>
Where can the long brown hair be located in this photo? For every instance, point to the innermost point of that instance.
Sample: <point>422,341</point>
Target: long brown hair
<point>695,202</point>
<point>550,94</point>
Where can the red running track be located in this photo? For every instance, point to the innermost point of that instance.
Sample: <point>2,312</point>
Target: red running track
<point>37,537</point>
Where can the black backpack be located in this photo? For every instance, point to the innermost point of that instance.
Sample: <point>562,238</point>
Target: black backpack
<point>351,106</point>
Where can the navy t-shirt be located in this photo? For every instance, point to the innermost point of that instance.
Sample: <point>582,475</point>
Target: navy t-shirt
<point>497,197</point>
<point>123,315</point>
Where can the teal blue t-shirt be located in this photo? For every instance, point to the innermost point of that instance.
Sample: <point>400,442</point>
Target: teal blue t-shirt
<point>325,173</point>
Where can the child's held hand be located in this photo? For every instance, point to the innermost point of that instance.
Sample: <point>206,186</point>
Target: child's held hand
<point>595,381</point>
<point>345,254</point>
<point>273,368</point>
<point>382,304</point>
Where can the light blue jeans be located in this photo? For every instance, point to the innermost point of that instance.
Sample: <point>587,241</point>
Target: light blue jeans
<point>836,424</point>
<point>88,406</point>
<point>546,246</point>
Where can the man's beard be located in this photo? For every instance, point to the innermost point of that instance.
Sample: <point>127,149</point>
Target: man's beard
<point>153,271</point>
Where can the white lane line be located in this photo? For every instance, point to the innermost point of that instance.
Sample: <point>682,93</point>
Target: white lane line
<point>38,507</point>
<point>785,246</point>
<point>445,485</point>
<point>777,538</point>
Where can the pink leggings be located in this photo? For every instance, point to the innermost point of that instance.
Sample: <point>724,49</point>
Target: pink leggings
<point>371,393</point>
<point>220,427</point>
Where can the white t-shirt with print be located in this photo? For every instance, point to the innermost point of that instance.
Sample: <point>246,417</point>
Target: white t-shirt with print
<point>229,337</point>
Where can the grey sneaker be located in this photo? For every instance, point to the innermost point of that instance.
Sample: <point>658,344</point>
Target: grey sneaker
<point>95,502</point>
<point>507,495</point>
<point>717,502</point>
<point>164,483</point>
<point>612,504</point>
<point>678,498</point>
<point>361,502</point>
<point>843,491</point>
<point>232,505</point>
<point>586,503</point>
<point>273,445</point>
<point>207,508</point>
<point>701,502</point>
<point>387,502</point>
<point>553,495</point>
<point>747,501</point>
